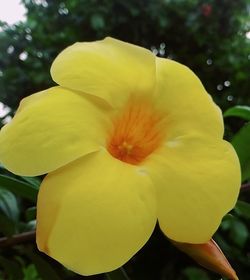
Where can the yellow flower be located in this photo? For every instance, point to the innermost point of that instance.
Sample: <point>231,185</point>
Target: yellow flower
<point>127,138</point>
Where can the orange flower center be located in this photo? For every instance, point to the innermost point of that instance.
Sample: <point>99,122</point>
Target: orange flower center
<point>137,132</point>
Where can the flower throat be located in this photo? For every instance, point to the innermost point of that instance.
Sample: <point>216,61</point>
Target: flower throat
<point>137,132</point>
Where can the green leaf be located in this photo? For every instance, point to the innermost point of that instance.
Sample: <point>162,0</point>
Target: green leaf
<point>19,188</point>
<point>30,273</point>
<point>241,143</point>
<point>7,227</point>
<point>30,213</point>
<point>118,274</point>
<point>45,270</point>
<point>238,233</point>
<point>8,205</point>
<point>9,212</point>
<point>193,273</point>
<point>35,181</point>
<point>31,225</point>
<point>11,268</point>
<point>242,208</point>
<point>97,21</point>
<point>239,111</point>
<point>226,222</point>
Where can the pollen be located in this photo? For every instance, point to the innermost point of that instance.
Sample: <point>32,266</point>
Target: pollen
<point>138,130</point>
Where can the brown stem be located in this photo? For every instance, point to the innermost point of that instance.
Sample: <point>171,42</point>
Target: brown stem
<point>17,239</point>
<point>245,187</point>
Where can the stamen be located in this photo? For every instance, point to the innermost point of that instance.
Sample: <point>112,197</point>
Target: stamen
<point>137,131</point>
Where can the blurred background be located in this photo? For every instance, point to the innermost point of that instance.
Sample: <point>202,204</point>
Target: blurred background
<point>211,37</point>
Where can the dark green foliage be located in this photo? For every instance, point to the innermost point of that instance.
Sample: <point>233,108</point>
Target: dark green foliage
<point>238,111</point>
<point>241,143</point>
<point>208,36</point>
<point>20,188</point>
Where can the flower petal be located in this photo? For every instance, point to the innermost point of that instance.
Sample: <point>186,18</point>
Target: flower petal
<point>50,129</point>
<point>198,182</point>
<point>95,213</point>
<point>189,108</point>
<point>110,69</point>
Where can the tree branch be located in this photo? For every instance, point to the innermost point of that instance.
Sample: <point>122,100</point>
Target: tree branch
<point>245,187</point>
<point>17,239</point>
